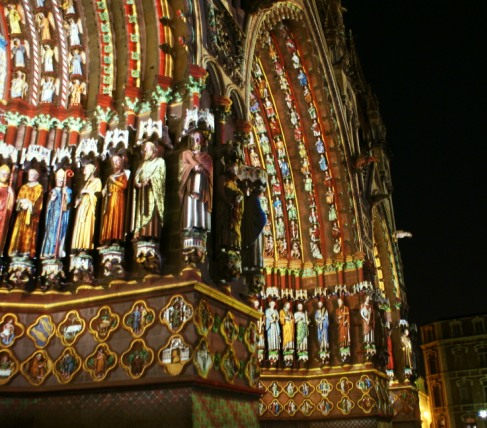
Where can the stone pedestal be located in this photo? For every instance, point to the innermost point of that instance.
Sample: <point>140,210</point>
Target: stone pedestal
<point>161,351</point>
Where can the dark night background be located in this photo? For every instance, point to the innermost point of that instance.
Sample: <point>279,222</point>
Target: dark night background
<point>425,60</point>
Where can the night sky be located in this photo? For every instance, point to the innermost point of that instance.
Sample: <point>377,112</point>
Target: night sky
<point>426,61</point>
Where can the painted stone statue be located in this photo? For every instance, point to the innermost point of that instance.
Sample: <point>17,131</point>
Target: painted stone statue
<point>57,216</point>
<point>149,182</point>
<point>84,225</point>
<point>28,207</point>
<point>113,212</point>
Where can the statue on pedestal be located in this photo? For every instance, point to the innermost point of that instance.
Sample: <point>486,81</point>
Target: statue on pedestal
<point>196,195</point>
<point>148,213</point>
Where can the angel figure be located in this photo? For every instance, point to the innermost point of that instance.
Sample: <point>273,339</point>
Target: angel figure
<point>76,59</point>
<point>18,86</point>
<point>48,56</point>
<point>68,7</point>
<point>19,52</point>
<point>44,23</point>
<point>74,30</point>
<point>76,89</point>
<point>15,15</point>
<point>49,87</point>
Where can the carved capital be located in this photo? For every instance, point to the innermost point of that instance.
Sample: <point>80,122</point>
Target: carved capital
<point>74,124</point>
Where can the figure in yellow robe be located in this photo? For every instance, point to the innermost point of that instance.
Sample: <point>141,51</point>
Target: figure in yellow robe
<point>84,225</point>
<point>150,183</point>
<point>113,222</point>
<point>286,319</point>
<point>28,207</point>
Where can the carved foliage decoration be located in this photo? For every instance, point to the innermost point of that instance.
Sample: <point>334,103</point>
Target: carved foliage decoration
<point>104,324</point>
<point>67,365</point>
<point>10,330</point>
<point>9,366</point>
<point>71,328</point>
<point>176,314</point>
<point>100,362</point>
<point>203,318</point>
<point>202,358</point>
<point>138,319</point>
<point>42,331</point>
<point>175,355</point>
<point>37,367</point>
<point>137,359</point>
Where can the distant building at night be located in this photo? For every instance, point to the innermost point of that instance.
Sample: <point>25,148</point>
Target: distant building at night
<point>196,217</point>
<point>455,356</point>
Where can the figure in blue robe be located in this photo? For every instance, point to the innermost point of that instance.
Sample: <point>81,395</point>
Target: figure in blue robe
<point>57,216</point>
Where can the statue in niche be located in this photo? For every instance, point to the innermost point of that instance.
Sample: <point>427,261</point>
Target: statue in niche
<point>19,86</point>
<point>68,7</point>
<point>322,322</point>
<point>231,210</point>
<point>302,331</point>
<point>74,30</point>
<point>48,56</point>
<point>76,61</point>
<point>48,89</point>
<point>57,216</point>
<point>14,18</point>
<point>19,53</point>
<point>84,225</point>
<point>253,222</point>
<point>28,207</point>
<point>407,349</point>
<point>113,212</point>
<point>343,323</point>
<point>44,23</point>
<point>286,319</point>
<point>272,327</point>
<point>196,184</point>
<point>367,315</point>
<point>7,199</point>
<point>149,192</point>
<point>76,89</point>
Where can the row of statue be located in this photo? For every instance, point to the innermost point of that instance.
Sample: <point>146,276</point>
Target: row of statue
<point>287,332</point>
<point>268,130</point>
<point>49,52</point>
<point>20,214</point>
